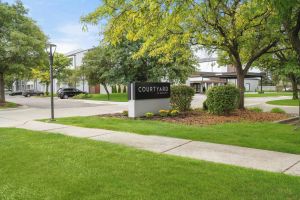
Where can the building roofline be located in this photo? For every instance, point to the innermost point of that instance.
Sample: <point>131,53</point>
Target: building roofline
<point>204,60</point>
<point>72,53</point>
<point>227,75</point>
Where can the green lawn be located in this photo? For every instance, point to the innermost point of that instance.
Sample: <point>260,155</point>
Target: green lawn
<point>269,94</point>
<point>35,166</point>
<point>270,136</point>
<point>117,97</point>
<point>8,105</point>
<point>284,102</point>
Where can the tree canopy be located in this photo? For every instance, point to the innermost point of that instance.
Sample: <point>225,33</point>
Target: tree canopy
<point>22,43</point>
<point>288,12</point>
<point>60,70</point>
<point>243,30</point>
<point>108,64</point>
<point>283,64</point>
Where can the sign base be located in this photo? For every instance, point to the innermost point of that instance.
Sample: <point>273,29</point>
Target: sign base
<point>138,108</point>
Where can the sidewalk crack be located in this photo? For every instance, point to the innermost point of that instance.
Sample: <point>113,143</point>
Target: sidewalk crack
<point>287,169</point>
<point>52,129</point>
<point>177,146</point>
<point>91,137</point>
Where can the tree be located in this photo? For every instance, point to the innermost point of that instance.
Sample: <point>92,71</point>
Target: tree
<point>114,65</point>
<point>283,64</point>
<point>43,75</point>
<point>22,43</point>
<point>119,89</point>
<point>288,12</point>
<point>124,89</point>
<point>97,64</point>
<point>60,67</point>
<point>60,70</point>
<point>241,28</point>
<point>15,75</point>
<point>9,81</point>
<point>128,68</point>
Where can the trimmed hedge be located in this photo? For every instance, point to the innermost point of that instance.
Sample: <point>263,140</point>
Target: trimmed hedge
<point>181,97</point>
<point>113,89</point>
<point>222,99</point>
<point>119,89</point>
<point>124,89</point>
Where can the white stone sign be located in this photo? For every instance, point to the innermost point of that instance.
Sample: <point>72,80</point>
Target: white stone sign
<point>148,97</point>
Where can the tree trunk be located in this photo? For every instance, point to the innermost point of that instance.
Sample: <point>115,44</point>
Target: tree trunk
<point>2,92</point>
<point>241,87</point>
<point>293,32</point>
<point>294,86</point>
<point>294,38</point>
<point>47,89</point>
<point>106,90</point>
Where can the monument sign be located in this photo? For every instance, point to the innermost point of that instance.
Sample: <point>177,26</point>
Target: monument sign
<point>148,97</point>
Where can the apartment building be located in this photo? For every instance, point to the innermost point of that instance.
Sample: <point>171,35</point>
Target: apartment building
<point>208,73</point>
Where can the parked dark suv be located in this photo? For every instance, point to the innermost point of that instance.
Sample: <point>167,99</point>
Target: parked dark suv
<point>28,93</point>
<point>65,93</point>
<point>15,93</point>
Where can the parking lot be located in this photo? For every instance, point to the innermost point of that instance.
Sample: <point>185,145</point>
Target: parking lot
<point>44,102</point>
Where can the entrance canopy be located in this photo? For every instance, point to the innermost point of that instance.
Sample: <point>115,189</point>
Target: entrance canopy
<point>226,75</point>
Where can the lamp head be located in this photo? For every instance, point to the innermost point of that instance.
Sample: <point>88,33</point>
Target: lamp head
<point>51,48</point>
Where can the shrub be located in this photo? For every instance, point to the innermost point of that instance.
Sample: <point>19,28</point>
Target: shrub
<point>125,112</point>
<point>119,89</point>
<point>261,92</point>
<point>256,109</point>
<point>174,113</point>
<point>149,114</point>
<point>124,89</point>
<point>164,113</point>
<point>277,110</point>
<point>113,89</point>
<point>205,105</point>
<point>181,97</point>
<point>222,99</point>
<point>82,96</point>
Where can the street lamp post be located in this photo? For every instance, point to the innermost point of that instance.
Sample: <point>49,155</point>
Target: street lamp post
<point>51,50</point>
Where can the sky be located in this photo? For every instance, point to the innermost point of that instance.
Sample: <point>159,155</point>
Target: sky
<point>60,21</point>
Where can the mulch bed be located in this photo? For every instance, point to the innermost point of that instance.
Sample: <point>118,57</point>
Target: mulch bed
<point>204,118</point>
<point>199,117</point>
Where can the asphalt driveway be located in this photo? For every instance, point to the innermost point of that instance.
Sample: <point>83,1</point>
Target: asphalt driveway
<point>44,102</point>
<point>34,108</point>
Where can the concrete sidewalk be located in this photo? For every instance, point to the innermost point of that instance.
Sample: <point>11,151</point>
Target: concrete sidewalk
<point>227,154</point>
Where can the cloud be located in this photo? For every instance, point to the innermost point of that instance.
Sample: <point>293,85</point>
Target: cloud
<point>60,20</point>
<point>71,36</point>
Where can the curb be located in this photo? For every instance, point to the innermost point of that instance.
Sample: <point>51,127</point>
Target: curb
<point>12,109</point>
<point>287,121</point>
